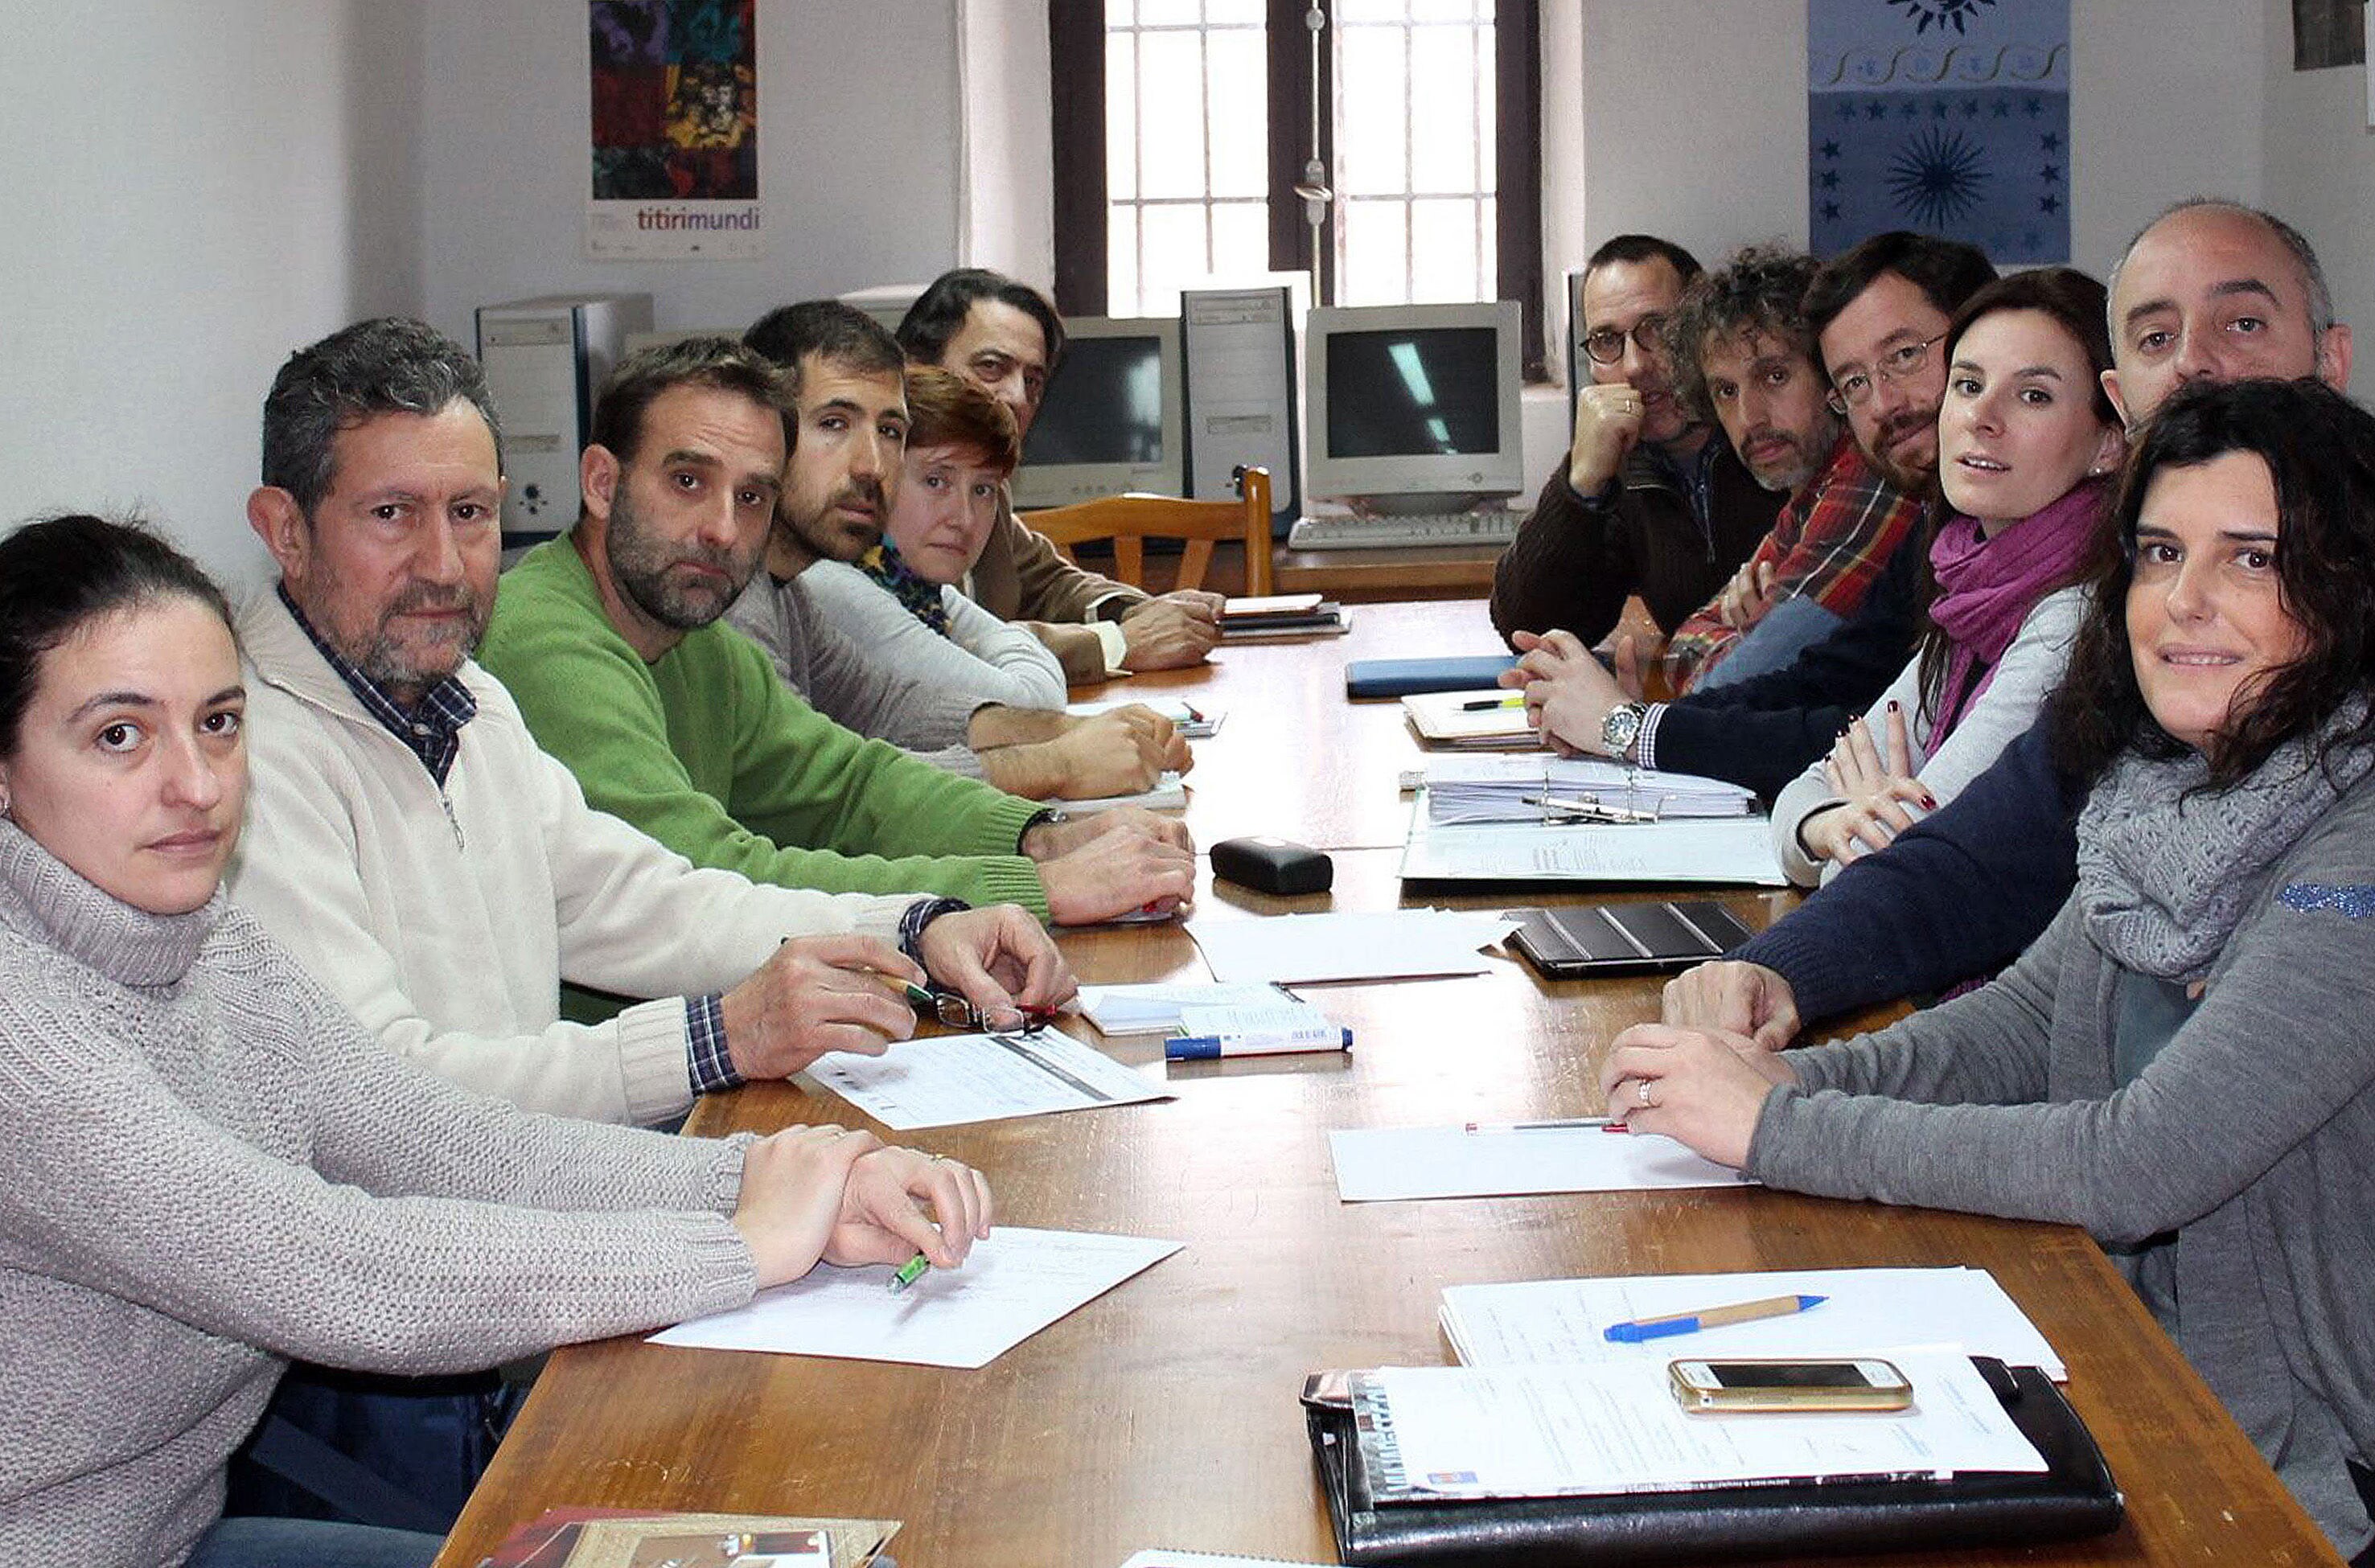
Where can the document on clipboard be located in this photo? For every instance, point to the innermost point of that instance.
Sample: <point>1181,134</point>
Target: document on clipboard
<point>1731,851</point>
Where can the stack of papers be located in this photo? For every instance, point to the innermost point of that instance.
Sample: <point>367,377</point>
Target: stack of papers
<point>1566,1320</point>
<point>1736,851</point>
<point>1428,1433</point>
<point>1492,720</point>
<point>1538,788</point>
<point>1401,944</point>
<point>1375,1164</point>
<point>1155,1008</point>
<point>951,1079</point>
<point>1013,1285</point>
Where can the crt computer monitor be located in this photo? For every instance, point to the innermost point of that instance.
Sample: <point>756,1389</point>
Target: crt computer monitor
<point>1412,401</point>
<point>1111,419</point>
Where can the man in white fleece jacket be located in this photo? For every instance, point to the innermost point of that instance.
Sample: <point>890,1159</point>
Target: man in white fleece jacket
<point>442,874</point>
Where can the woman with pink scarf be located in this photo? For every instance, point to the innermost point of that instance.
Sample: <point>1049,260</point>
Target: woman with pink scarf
<point>2026,439</point>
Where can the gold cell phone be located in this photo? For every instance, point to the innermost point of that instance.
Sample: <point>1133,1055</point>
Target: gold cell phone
<point>1862,1383</point>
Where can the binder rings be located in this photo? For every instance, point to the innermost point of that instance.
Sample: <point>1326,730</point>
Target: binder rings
<point>2076,1497</point>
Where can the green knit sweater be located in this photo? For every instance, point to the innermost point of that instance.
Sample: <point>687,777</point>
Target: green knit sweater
<point>712,755</point>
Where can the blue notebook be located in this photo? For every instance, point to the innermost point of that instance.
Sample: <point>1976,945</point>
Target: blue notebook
<point>1404,677</point>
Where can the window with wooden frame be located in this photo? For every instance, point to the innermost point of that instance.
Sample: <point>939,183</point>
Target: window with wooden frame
<point>1183,128</point>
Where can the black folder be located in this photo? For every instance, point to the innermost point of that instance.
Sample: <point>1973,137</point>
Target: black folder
<point>2074,1497</point>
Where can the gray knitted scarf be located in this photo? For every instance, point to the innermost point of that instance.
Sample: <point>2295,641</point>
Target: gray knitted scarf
<point>2164,876</point>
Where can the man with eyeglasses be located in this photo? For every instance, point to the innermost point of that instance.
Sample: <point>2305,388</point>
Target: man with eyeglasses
<point>1878,311</point>
<point>1650,501</point>
<point>2209,290</point>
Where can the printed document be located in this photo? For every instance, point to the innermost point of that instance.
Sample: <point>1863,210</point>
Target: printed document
<point>1397,944</point>
<point>1372,1163</point>
<point>1566,1320</point>
<point>1735,850</point>
<point>1560,1430</point>
<point>1012,1286</point>
<point>951,1079</point>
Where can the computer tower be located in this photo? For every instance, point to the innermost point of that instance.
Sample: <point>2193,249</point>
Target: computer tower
<point>1238,345</point>
<point>545,359</point>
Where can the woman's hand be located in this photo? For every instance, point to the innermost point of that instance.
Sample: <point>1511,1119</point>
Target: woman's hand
<point>1701,1088</point>
<point>1880,794</point>
<point>840,1195</point>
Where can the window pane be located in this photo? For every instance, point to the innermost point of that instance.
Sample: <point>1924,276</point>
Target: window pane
<point>1443,108</point>
<point>1240,238</point>
<point>1450,10</point>
<point>1373,266</point>
<point>1344,11</point>
<point>1166,13</point>
<point>1235,11</point>
<point>1370,127</point>
<point>1237,87</point>
<point>1175,255</point>
<point>1121,259</point>
<point>1443,251</point>
<point>1118,12</point>
<point>1170,105</point>
<point>1121,116</point>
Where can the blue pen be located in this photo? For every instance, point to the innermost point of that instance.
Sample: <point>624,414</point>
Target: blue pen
<point>1642,1328</point>
<point>1202,1047</point>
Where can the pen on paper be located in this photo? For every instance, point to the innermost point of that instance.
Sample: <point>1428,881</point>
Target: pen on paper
<point>1486,705</point>
<point>1642,1328</point>
<point>1569,1124</point>
<point>915,1269</point>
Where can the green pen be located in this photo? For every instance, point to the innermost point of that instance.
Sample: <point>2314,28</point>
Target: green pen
<point>915,1269</point>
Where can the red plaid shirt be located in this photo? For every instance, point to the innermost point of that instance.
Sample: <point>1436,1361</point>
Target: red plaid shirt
<point>1829,541</point>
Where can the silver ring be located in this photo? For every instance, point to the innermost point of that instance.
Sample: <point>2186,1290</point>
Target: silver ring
<point>1642,1088</point>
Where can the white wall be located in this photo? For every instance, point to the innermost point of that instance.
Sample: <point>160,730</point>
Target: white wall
<point>198,189</point>
<point>2321,178</point>
<point>1695,117</point>
<point>857,149</point>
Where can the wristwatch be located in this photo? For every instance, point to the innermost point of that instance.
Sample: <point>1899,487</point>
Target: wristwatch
<point>1620,728</point>
<point>1047,815</point>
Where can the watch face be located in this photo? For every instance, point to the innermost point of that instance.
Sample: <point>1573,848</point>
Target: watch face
<point>1617,730</point>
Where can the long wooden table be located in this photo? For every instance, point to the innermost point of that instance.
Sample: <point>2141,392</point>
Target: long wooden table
<point>1164,1412</point>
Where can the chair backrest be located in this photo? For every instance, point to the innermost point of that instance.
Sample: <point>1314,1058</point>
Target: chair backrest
<point>1131,520</point>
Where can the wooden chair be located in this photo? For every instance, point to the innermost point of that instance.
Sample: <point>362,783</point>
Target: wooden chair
<point>1131,520</point>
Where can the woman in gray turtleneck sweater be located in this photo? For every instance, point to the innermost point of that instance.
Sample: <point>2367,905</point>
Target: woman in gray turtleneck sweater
<point>211,1168</point>
<point>2182,1063</point>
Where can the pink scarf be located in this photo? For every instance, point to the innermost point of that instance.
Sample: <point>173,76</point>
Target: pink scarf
<point>1986,588</point>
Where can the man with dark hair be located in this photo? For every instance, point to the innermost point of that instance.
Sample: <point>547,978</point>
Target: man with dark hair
<point>610,638</point>
<point>831,474</point>
<point>1005,337</point>
<point>1646,503</point>
<point>442,877</point>
<point>1878,311</point>
<point>1745,360</point>
<point>2209,290</point>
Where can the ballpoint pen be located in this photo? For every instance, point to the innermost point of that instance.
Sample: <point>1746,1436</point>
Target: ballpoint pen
<point>915,1269</point>
<point>1486,705</point>
<point>1643,1328</point>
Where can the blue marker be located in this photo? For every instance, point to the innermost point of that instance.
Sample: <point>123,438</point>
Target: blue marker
<point>1202,1047</point>
<point>1642,1328</point>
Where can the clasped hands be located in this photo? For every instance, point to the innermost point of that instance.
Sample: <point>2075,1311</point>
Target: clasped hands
<point>1880,796</point>
<point>1568,691</point>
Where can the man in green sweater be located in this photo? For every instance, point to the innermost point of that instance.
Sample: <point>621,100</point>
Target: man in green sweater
<point>608,639</point>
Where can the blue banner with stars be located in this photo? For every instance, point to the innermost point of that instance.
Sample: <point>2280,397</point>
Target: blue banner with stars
<point>1947,116</point>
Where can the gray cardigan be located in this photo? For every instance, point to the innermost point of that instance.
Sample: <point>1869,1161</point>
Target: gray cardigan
<point>210,1168</point>
<point>2248,1136</point>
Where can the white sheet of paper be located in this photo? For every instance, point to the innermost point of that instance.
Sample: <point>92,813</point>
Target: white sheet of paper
<point>952,1078</point>
<point>1159,1558</point>
<point>1566,1320</point>
<point>1390,945</point>
<point>1012,1286</point>
<point>1153,1009</point>
<point>1734,851</point>
<point>1374,1163</point>
<point>1169,794</point>
<point>1547,1430</point>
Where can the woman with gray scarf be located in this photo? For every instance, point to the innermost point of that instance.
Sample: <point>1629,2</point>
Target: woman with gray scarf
<point>2182,1063</point>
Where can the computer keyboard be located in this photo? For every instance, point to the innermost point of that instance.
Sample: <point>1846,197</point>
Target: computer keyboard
<point>1345,532</point>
